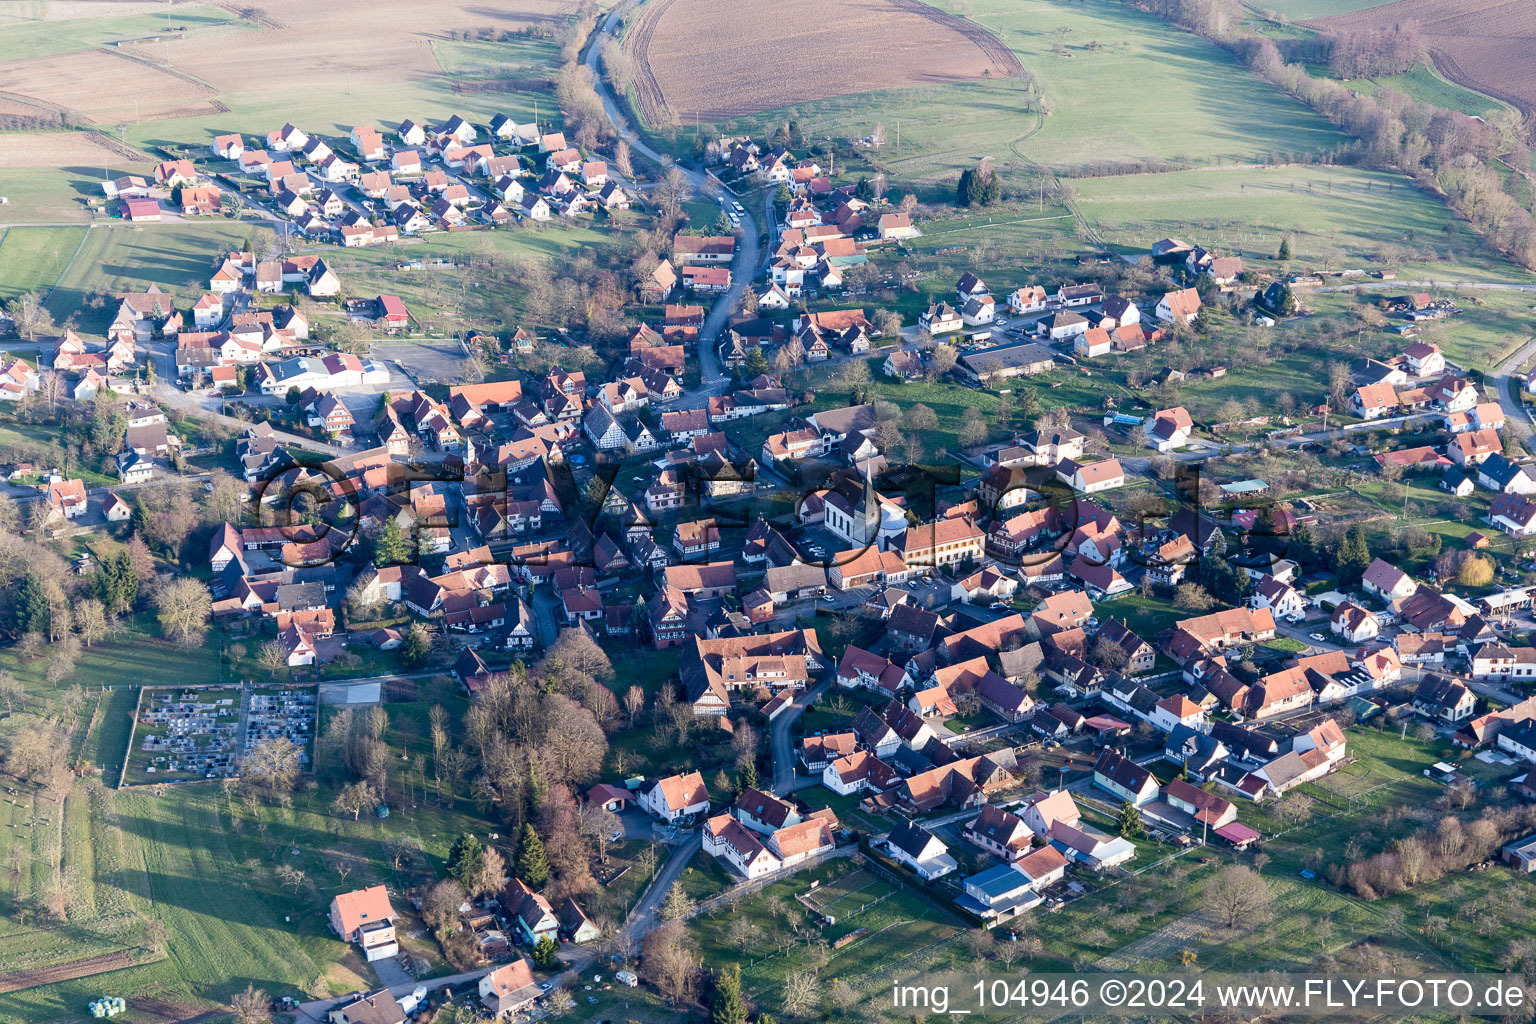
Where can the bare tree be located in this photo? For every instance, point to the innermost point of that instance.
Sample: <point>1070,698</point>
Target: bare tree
<point>183,605</point>
<point>251,1006</point>
<point>353,799</point>
<point>272,764</point>
<point>29,315</point>
<point>91,621</point>
<point>671,962</point>
<point>673,190</point>
<point>801,990</point>
<point>600,826</point>
<point>270,656</point>
<point>1238,894</point>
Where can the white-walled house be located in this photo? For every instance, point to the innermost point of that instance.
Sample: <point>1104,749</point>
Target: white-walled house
<point>675,796</point>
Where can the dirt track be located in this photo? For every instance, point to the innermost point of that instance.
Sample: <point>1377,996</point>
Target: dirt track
<point>64,972</point>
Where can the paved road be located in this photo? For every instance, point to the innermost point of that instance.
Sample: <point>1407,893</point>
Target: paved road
<point>781,740</point>
<point>545,609</point>
<point>643,917</point>
<point>1303,632</point>
<point>1515,413</point>
<point>749,253</point>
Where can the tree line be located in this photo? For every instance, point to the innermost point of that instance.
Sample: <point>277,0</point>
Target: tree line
<point>1444,151</point>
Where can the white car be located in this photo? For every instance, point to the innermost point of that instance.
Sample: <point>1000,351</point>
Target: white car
<point>1317,636</point>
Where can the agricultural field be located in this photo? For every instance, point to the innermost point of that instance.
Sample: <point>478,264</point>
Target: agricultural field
<point>1082,60</point>
<point>688,54</point>
<point>1483,46</point>
<point>43,29</point>
<point>1337,217</point>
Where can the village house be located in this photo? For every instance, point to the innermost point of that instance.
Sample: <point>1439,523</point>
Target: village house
<point>509,989</point>
<point>365,917</point>
<point>1168,429</point>
<point>1183,304</point>
<point>922,851</point>
<point>674,797</point>
<point>1124,778</point>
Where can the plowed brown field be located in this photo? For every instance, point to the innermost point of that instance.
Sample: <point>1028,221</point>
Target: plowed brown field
<point>1482,44</point>
<point>101,84</point>
<point>713,60</point>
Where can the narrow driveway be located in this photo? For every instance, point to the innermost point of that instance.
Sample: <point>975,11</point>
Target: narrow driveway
<point>643,917</point>
<point>781,739</point>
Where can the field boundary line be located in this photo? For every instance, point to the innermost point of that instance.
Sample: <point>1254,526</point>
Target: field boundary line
<point>133,728</point>
<point>72,256</point>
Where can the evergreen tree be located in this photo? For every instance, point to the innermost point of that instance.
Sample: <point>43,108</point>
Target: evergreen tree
<point>1130,820</point>
<point>1301,546</point>
<point>864,190</point>
<point>757,363</point>
<point>465,859</point>
<point>967,189</point>
<point>1352,557</point>
<point>115,583</point>
<point>545,956</point>
<point>1285,249</point>
<point>725,1005</point>
<point>416,647</point>
<point>749,775</point>
<point>32,615</point>
<point>1285,301</point>
<point>991,189</point>
<point>392,547</point>
<point>532,864</point>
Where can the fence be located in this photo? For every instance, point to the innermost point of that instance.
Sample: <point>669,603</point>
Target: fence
<point>753,885</point>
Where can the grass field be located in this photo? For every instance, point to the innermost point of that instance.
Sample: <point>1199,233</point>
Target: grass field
<point>1424,84</point>
<point>1492,323</point>
<point>903,932</point>
<point>1296,10</point>
<point>177,257</point>
<point>31,259</point>
<point>1088,59</point>
<point>26,38</point>
<point>445,297</point>
<point>1337,217</point>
